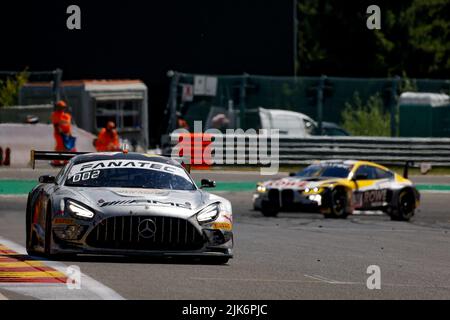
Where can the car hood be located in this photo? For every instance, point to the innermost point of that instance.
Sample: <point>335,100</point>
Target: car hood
<point>299,183</point>
<point>144,201</point>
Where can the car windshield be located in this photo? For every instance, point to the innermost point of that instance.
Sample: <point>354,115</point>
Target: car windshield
<point>129,174</point>
<point>326,170</point>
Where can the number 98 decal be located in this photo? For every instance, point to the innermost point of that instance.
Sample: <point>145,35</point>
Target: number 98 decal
<point>86,176</point>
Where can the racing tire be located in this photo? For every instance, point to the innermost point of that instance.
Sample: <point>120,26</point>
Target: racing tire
<point>269,212</point>
<point>48,231</point>
<point>338,204</point>
<point>405,208</point>
<point>30,242</point>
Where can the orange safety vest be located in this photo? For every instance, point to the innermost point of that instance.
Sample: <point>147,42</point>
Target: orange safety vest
<point>107,141</point>
<point>62,125</point>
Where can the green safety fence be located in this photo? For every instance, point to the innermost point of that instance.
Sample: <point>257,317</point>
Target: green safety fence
<point>318,97</point>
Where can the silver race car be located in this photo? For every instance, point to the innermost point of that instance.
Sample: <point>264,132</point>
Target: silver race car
<point>126,204</point>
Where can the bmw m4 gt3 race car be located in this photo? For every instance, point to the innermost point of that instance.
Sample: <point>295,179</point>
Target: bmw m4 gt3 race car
<point>126,204</point>
<point>337,188</point>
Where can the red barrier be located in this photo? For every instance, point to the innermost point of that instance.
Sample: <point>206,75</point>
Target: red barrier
<point>196,143</point>
<point>5,159</point>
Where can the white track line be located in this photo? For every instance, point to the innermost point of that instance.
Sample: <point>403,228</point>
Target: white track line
<point>330,281</point>
<point>90,288</point>
<point>251,280</point>
<point>12,196</point>
<point>317,279</point>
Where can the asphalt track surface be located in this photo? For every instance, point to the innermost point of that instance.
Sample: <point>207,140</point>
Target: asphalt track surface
<point>293,256</point>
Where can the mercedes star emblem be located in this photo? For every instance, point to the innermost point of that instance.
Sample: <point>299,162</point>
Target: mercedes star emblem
<point>147,228</point>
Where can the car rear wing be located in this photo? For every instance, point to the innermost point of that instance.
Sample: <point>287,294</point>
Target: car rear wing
<point>51,155</point>
<point>55,155</point>
<point>406,168</point>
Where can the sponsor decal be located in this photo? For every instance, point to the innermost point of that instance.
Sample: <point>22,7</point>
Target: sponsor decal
<point>222,225</point>
<point>136,202</point>
<point>370,198</point>
<point>287,183</point>
<point>63,221</point>
<point>93,167</point>
<point>375,196</point>
<point>297,184</point>
<point>134,191</point>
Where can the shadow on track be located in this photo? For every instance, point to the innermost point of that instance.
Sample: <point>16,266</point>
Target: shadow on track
<point>136,259</point>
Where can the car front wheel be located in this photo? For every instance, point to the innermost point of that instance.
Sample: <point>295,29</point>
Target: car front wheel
<point>30,241</point>
<point>338,204</point>
<point>48,231</point>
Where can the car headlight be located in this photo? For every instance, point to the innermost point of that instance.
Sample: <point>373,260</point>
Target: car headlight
<point>261,188</point>
<point>208,214</point>
<point>314,190</point>
<point>79,210</point>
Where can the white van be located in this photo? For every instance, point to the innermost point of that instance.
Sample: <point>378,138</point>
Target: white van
<point>290,123</point>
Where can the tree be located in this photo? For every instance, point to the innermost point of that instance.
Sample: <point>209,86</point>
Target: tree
<point>333,38</point>
<point>9,88</point>
<point>366,119</point>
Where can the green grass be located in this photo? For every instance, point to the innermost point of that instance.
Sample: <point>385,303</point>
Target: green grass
<point>16,186</point>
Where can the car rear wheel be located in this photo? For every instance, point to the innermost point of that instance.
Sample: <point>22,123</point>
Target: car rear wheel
<point>405,208</point>
<point>338,204</point>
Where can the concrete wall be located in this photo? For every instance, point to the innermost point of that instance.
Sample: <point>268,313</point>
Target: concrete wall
<point>21,138</point>
<point>18,114</point>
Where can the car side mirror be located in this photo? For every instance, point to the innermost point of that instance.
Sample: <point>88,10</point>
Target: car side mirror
<point>292,174</point>
<point>206,183</point>
<point>47,179</point>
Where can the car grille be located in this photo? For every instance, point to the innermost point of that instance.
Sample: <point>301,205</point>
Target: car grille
<point>274,197</point>
<point>123,232</point>
<point>287,197</point>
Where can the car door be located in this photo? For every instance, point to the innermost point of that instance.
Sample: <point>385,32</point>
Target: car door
<point>367,194</point>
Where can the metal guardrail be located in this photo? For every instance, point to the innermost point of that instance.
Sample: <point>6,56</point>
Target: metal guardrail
<point>384,150</point>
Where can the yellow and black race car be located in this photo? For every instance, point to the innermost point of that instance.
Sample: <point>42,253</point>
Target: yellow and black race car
<point>337,188</point>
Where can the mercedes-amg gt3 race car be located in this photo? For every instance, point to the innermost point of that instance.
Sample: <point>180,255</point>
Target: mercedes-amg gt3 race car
<point>126,204</point>
<point>337,188</point>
